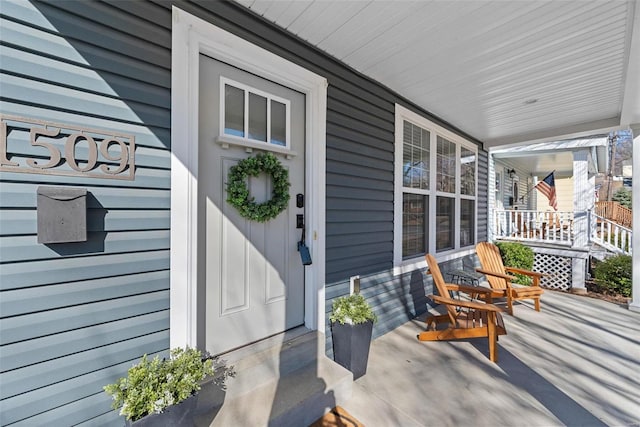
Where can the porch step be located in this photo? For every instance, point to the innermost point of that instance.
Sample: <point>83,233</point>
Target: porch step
<point>289,383</point>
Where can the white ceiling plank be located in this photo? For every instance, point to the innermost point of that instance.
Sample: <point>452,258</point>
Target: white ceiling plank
<point>318,14</point>
<point>285,16</point>
<point>474,63</point>
<point>370,24</point>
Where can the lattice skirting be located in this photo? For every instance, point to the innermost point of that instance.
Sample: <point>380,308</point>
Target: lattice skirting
<point>557,267</point>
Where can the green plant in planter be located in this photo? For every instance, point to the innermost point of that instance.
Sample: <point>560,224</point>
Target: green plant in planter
<point>352,309</point>
<point>352,321</point>
<point>152,385</point>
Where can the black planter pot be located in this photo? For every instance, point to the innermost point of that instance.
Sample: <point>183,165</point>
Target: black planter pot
<point>351,346</point>
<point>181,414</point>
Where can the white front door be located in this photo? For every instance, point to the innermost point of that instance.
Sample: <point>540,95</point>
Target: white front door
<point>252,273</point>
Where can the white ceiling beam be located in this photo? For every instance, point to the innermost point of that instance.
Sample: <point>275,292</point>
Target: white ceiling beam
<point>599,127</point>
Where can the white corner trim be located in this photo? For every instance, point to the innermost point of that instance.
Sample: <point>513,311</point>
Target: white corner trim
<point>192,36</point>
<point>400,115</point>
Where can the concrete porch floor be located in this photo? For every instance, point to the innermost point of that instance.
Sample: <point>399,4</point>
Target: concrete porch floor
<point>576,363</point>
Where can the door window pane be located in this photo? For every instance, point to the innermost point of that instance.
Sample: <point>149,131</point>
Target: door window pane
<point>446,165</point>
<point>257,117</point>
<point>414,208</point>
<point>467,222</point>
<point>278,123</point>
<point>445,208</point>
<point>233,111</point>
<point>415,161</point>
<point>467,172</point>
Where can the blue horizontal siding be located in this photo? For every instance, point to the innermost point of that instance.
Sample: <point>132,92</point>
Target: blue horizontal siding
<point>26,247</point>
<point>154,137</point>
<point>55,346</point>
<point>72,100</point>
<point>21,221</point>
<point>45,298</point>
<point>74,317</point>
<point>57,394</point>
<point>40,324</point>
<point>24,195</point>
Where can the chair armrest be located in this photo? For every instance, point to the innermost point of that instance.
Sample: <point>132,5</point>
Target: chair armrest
<point>507,277</point>
<point>525,272</point>
<point>468,289</point>
<point>468,304</point>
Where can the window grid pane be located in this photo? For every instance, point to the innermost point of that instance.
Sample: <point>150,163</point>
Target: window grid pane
<point>233,111</point>
<point>278,123</point>
<point>414,234</point>
<point>467,172</point>
<point>446,165</point>
<point>445,209</point>
<point>415,157</point>
<point>257,117</point>
<point>467,222</point>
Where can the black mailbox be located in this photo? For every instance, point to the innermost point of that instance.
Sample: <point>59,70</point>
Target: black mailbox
<point>62,215</point>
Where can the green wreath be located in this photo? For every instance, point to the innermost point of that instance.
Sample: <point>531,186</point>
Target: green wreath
<point>238,192</point>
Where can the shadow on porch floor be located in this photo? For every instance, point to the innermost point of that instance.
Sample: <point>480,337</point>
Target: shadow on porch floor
<point>574,363</point>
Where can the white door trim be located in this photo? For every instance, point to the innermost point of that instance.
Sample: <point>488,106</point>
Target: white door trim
<point>192,36</point>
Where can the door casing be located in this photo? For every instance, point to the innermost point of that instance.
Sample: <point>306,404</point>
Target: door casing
<point>192,36</point>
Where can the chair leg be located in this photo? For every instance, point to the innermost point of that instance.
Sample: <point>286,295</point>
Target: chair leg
<point>492,335</point>
<point>537,303</point>
<point>509,304</point>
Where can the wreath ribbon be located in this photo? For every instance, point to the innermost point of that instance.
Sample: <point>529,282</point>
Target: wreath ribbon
<point>238,194</point>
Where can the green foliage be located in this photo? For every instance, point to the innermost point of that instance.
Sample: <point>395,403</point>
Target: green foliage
<point>238,190</point>
<point>152,385</point>
<point>519,256</point>
<point>352,309</point>
<point>614,274</point>
<point>623,196</point>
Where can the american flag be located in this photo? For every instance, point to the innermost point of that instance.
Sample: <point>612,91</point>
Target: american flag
<point>548,187</point>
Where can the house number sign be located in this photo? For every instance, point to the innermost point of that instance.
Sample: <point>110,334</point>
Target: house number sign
<point>41,147</point>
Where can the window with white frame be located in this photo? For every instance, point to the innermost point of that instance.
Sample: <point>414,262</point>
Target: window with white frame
<point>253,114</point>
<point>436,182</point>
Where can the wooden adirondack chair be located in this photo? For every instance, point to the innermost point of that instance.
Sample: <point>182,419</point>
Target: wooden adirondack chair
<point>464,319</point>
<point>500,281</point>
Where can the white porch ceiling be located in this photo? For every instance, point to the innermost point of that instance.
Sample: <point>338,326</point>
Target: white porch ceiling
<point>481,64</point>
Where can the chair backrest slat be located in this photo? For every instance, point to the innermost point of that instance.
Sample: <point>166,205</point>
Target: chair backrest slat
<point>491,260</point>
<point>438,280</point>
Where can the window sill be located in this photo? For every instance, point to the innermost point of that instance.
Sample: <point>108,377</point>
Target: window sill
<point>225,141</point>
<point>418,263</point>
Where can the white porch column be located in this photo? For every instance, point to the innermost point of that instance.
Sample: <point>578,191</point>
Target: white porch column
<point>635,289</point>
<point>582,202</point>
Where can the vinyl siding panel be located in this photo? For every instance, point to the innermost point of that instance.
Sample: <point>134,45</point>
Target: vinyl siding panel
<point>76,316</point>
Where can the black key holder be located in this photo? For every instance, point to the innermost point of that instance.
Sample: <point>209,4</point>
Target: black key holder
<point>305,256</point>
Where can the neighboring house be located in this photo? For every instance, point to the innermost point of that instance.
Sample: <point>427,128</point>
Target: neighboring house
<point>562,239</point>
<point>139,109</point>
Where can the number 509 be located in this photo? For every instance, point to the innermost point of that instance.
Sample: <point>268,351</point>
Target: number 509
<point>116,155</point>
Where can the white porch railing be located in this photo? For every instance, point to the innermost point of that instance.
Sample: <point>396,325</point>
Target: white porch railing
<point>539,226</point>
<point>611,235</point>
<point>558,228</point>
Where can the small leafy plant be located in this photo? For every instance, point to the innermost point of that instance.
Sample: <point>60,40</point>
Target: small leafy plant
<point>614,274</point>
<point>152,385</point>
<point>519,256</point>
<point>352,309</point>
